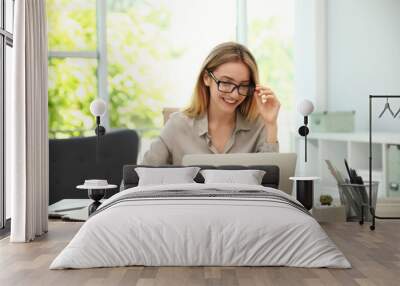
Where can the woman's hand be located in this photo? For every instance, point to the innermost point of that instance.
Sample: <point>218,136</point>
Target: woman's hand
<point>268,104</point>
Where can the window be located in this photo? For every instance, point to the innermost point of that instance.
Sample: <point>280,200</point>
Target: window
<point>145,55</point>
<point>8,17</point>
<point>73,63</point>
<point>153,61</point>
<point>6,43</point>
<point>71,25</point>
<point>270,38</point>
<point>72,87</point>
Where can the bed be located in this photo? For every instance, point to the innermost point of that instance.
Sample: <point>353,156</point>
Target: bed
<point>201,224</point>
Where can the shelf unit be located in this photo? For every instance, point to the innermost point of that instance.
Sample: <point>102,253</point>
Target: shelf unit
<point>354,147</point>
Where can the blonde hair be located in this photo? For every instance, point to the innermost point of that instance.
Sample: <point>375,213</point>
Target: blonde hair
<point>221,54</point>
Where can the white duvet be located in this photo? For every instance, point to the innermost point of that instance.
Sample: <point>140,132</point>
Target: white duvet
<point>200,231</point>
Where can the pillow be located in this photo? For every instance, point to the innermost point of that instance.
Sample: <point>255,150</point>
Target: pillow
<point>163,176</point>
<point>249,177</point>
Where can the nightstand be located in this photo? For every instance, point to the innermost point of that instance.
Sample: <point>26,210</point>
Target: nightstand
<point>332,213</point>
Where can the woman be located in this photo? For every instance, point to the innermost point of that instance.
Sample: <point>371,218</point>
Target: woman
<point>230,112</point>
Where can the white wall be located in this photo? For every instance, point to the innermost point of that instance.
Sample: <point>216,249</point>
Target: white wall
<point>363,48</point>
<point>305,50</point>
<point>310,54</point>
<point>346,50</point>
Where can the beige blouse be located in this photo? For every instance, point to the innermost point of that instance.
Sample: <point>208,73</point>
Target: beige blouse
<point>183,135</point>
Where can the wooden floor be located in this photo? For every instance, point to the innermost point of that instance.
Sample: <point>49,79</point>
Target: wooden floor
<point>375,257</point>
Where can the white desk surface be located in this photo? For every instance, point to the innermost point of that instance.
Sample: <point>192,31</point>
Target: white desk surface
<point>70,209</point>
<point>87,187</point>
<point>304,178</point>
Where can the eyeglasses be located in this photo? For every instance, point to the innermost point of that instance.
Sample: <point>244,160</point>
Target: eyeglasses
<point>228,87</point>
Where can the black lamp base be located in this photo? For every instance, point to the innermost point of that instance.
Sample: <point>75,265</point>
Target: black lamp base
<point>100,130</point>
<point>303,130</point>
<point>93,207</point>
<point>96,195</point>
<point>305,193</point>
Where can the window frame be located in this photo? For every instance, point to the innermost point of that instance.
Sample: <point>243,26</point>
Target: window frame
<point>6,39</point>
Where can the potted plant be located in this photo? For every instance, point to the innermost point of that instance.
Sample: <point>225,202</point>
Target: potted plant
<point>325,200</point>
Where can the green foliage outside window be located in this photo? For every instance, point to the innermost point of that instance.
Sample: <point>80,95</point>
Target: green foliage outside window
<point>134,43</point>
<point>72,87</point>
<point>71,25</point>
<point>274,57</point>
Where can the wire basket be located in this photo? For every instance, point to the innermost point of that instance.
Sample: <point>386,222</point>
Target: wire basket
<point>356,200</point>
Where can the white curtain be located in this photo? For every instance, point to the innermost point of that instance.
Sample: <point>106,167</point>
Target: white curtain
<point>26,124</point>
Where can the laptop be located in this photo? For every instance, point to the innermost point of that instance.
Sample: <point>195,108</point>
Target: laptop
<point>285,161</point>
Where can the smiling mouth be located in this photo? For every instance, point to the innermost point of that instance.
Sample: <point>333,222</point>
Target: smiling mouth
<point>229,100</point>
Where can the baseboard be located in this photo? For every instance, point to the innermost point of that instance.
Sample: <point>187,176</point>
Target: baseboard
<point>388,207</point>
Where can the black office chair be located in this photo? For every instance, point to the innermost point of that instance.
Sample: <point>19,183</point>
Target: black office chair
<point>74,160</point>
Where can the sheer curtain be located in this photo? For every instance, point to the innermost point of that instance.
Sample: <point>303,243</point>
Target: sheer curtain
<point>26,119</point>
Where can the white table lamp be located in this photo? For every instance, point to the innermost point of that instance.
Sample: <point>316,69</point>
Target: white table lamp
<point>98,108</point>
